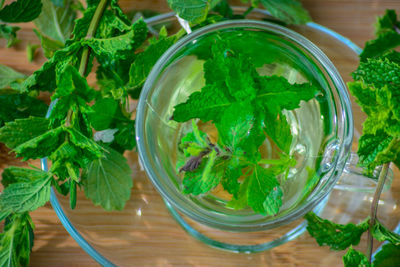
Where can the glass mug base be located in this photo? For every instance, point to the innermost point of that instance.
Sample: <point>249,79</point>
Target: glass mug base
<point>241,242</point>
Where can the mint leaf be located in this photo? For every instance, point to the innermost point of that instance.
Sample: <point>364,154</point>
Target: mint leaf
<point>16,106</point>
<point>289,11</point>
<point>16,241</point>
<point>82,25</point>
<point>278,129</point>
<point>72,91</point>
<point>108,181</point>
<point>375,48</point>
<point>194,11</point>
<point>236,124</point>
<point>370,146</point>
<point>239,201</point>
<point>337,236</point>
<point>125,138</point>
<point>30,51</point>
<point>9,33</point>
<point>231,172</point>
<point>386,23</point>
<point>378,73</point>
<point>20,131</point>
<point>145,61</point>
<point>90,147</point>
<point>26,196</point>
<point>264,194</point>
<point>388,256</point>
<point>240,78</point>
<point>224,9</point>
<point>42,145</point>
<point>44,79</point>
<point>202,179</point>
<point>381,233</point>
<point>49,46</point>
<point>208,104</point>
<point>376,93</point>
<point>8,76</point>
<point>21,11</point>
<point>104,112</point>
<point>276,93</point>
<point>13,175</point>
<point>354,258</point>
<point>193,143</point>
<point>55,22</point>
<point>113,47</point>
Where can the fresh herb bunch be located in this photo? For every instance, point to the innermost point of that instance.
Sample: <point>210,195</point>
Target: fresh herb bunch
<point>87,129</point>
<point>245,108</point>
<point>376,87</point>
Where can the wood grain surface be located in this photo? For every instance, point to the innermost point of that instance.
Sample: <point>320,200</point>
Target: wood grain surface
<point>55,247</point>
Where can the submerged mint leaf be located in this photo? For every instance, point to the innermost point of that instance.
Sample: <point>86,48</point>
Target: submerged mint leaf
<point>193,143</point>
<point>278,129</point>
<point>21,11</point>
<point>202,179</point>
<point>16,241</point>
<point>236,124</point>
<point>108,181</point>
<point>354,258</point>
<point>264,193</point>
<point>239,201</point>
<point>209,104</point>
<point>337,236</point>
<point>276,93</point>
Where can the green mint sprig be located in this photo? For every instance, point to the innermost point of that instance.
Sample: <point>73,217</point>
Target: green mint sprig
<point>376,86</point>
<point>83,141</point>
<point>245,108</point>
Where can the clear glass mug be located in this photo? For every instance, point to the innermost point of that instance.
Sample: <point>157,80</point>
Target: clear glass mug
<point>323,131</point>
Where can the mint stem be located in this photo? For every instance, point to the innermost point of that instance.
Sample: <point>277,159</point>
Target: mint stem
<point>91,32</point>
<point>374,208</point>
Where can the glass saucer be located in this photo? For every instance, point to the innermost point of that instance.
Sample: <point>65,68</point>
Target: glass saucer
<point>145,233</point>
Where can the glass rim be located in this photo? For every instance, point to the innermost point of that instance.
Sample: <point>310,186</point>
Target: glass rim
<point>345,130</point>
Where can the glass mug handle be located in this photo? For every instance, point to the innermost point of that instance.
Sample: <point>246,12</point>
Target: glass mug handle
<point>354,179</point>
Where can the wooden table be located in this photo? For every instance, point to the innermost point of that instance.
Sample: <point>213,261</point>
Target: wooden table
<point>55,247</point>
